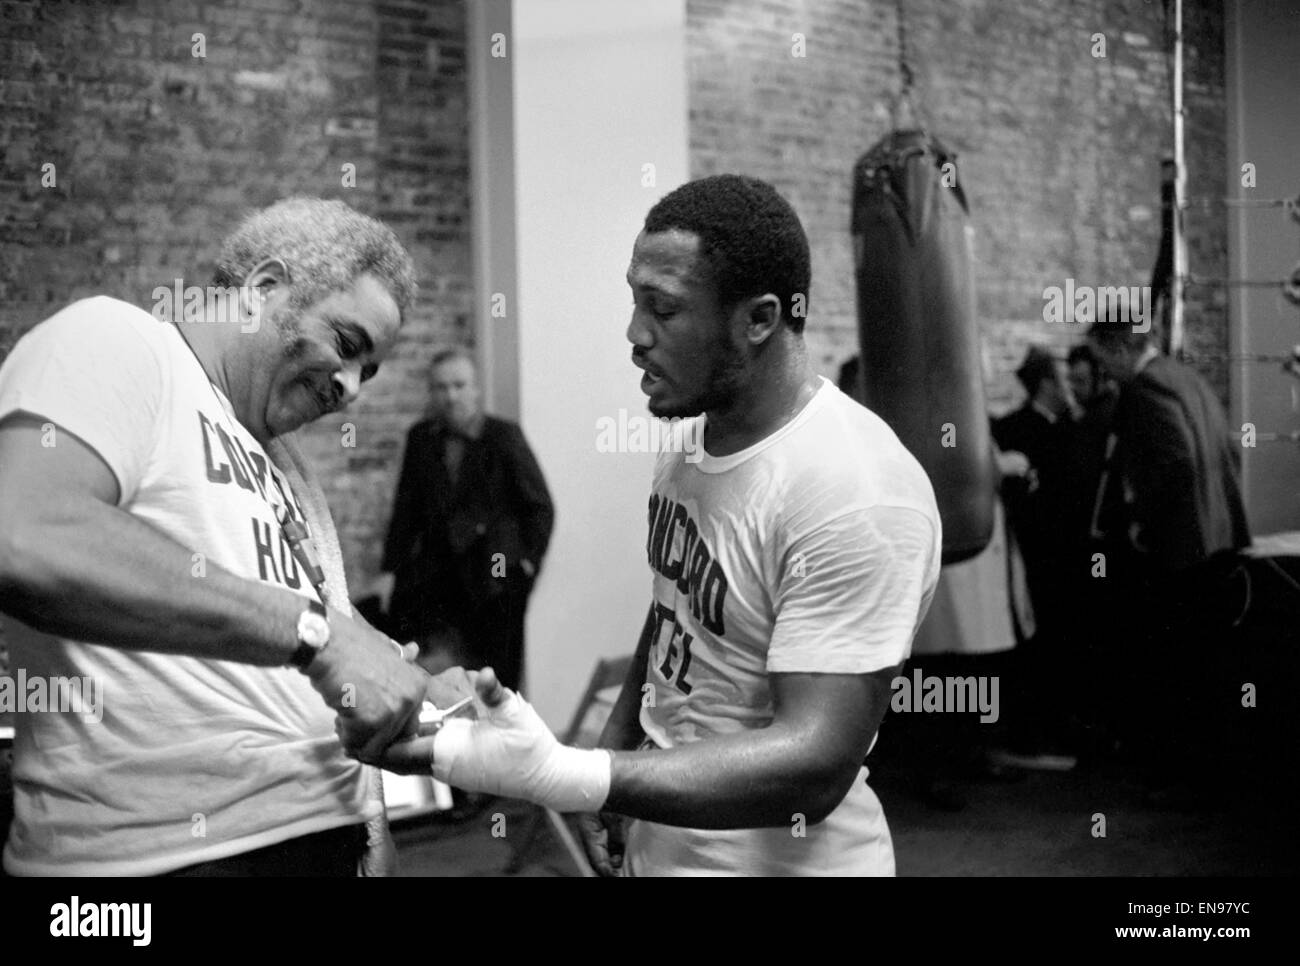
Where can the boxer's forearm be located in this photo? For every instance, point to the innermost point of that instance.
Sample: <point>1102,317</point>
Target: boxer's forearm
<point>97,574</point>
<point>762,778</point>
<point>748,780</point>
<point>799,766</point>
<point>767,777</point>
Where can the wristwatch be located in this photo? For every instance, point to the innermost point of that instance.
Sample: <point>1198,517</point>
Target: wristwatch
<point>313,635</point>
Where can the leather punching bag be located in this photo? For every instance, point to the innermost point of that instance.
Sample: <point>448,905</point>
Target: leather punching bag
<point>921,369</point>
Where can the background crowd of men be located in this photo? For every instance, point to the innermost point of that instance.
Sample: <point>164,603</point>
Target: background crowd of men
<point>1127,516</point>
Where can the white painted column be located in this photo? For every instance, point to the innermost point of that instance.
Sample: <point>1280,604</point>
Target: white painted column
<point>599,93</point>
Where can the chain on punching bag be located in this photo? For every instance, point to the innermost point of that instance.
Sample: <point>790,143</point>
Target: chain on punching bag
<point>921,369</point>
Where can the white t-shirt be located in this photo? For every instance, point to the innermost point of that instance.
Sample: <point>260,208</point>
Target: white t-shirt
<point>193,759</point>
<point>816,549</point>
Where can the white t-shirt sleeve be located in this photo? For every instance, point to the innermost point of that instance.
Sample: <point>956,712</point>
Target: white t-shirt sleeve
<point>852,592</point>
<point>91,372</point>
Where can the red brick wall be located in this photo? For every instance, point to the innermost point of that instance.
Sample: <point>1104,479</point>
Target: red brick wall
<point>1059,151</point>
<point>158,153</point>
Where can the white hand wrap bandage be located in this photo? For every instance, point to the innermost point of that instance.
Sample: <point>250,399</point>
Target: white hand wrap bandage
<point>511,752</point>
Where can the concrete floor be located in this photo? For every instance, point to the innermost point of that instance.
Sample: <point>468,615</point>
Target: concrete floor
<point>1043,825</point>
<point>435,847</point>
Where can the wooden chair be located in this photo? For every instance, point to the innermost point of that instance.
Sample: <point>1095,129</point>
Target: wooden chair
<point>583,732</point>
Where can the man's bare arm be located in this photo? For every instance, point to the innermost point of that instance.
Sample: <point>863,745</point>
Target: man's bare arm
<point>74,565</point>
<point>803,763</point>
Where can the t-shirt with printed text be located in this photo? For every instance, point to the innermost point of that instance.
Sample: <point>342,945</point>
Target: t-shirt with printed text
<point>193,759</point>
<point>816,549</point>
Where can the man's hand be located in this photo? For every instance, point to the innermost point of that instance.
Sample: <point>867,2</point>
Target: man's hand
<point>508,751</point>
<point>382,587</point>
<point>415,757</point>
<point>1012,463</point>
<point>604,837</point>
<point>376,693</point>
<point>450,686</point>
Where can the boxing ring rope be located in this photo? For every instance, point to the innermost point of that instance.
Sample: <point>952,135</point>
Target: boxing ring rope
<point>1292,205</point>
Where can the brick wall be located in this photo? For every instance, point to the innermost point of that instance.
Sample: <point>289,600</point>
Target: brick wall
<point>1059,150</point>
<point>157,153</point>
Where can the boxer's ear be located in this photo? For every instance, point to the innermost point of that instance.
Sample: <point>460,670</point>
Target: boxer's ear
<point>762,317</point>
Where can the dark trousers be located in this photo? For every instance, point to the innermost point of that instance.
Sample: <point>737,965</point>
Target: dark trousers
<point>1039,690</point>
<point>489,630</point>
<point>493,632</point>
<point>332,853</point>
<point>1177,687</point>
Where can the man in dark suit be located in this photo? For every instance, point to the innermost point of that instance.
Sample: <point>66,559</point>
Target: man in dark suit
<point>1034,504</point>
<point>471,522</point>
<point>1091,498</point>
<point>1097,398</point>
<point>1178,462</point>
<point>1182,518</point>
<point>1038,429</point>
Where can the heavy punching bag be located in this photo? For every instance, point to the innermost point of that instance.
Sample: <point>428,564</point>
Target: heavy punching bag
<point>921,369</point>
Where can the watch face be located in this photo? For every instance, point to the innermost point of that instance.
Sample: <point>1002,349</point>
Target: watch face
<point>313,629</point>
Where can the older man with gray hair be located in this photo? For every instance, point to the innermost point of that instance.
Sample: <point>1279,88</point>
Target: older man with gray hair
<point>156,536</point>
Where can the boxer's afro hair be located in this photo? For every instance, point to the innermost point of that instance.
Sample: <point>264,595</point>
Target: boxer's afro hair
<point>324,244</point>
<point>750,239</point>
